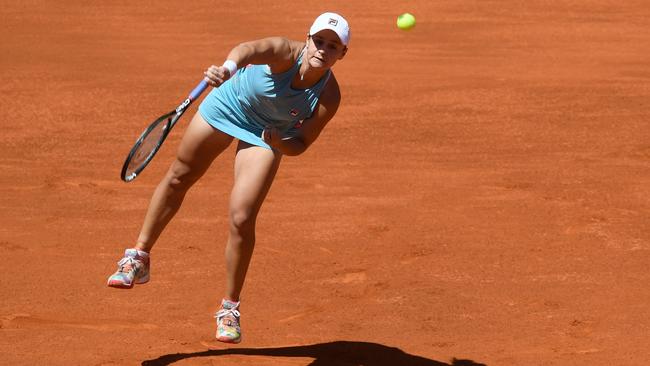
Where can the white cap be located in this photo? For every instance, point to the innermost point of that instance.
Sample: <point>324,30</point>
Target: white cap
<point>334,22</point>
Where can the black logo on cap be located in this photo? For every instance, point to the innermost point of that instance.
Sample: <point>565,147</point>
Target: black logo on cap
<point>333,22</point>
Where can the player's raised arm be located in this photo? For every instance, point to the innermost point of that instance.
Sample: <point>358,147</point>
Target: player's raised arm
<point>270,51</point>
<point>277,52</point>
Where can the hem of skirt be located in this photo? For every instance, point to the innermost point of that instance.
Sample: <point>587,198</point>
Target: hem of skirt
<point>235,131</point>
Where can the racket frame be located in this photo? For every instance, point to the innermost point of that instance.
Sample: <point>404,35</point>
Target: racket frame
<point>170,120</point>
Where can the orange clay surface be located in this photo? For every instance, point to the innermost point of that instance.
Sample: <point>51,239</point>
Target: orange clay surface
<point>483,193</point>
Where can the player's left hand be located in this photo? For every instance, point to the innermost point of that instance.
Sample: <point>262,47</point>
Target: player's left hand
<point>271,136</point>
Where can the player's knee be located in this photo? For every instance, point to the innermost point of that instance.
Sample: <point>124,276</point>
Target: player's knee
<point>242,220</point>
<point>181,176</point>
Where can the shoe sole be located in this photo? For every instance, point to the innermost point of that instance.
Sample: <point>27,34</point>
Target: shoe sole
<point>139,281</point>
<point>229,340</point>
<point>119,285</point>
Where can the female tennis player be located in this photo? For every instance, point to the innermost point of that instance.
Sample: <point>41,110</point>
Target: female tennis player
<point>274,96</point>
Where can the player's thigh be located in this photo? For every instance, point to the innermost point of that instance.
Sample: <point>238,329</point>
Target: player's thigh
<point>200,145</point>
<point>255,169</point>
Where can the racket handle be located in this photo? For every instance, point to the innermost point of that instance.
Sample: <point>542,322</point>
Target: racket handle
<point>198,90</point>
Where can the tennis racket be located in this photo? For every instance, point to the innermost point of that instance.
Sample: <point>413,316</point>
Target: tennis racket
<point>152,138</point>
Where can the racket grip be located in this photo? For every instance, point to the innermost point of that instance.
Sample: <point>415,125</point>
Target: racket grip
<point>198,90</point>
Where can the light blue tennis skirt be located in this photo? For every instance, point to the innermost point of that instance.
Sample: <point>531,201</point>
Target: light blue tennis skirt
<point>220,115</point>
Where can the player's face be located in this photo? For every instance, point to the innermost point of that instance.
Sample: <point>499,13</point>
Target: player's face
<point>325,48</point>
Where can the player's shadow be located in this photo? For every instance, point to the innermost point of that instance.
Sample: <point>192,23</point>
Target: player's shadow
<point>341,353</point>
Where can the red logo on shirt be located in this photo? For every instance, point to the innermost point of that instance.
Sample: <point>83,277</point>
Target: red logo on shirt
<point>294,112</point>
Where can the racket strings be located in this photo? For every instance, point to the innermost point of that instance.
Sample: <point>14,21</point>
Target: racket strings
<point>148,146</point>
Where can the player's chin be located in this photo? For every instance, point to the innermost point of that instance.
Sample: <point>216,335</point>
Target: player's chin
<point>320,64</point>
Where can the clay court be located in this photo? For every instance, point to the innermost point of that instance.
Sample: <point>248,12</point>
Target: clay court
<point>481,198</point>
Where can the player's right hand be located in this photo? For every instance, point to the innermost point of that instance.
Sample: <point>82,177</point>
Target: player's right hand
<point>216,75</point>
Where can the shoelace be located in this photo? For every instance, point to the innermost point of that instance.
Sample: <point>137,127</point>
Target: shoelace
<point>126,264</point>
<point>226,312</point>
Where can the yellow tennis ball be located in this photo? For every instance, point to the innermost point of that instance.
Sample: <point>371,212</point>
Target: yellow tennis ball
<point>405,21</point>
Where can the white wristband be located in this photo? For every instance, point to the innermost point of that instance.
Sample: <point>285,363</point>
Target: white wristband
<point>231,66</point>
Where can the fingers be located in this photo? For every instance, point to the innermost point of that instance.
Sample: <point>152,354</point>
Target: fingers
<point>269,135</point>
<point>216,75</point>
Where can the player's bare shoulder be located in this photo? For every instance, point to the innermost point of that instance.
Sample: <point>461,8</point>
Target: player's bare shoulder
<point>296,48</point>
<point>286,53</point>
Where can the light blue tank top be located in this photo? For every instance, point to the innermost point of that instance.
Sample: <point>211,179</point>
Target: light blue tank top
<point>255,98</point>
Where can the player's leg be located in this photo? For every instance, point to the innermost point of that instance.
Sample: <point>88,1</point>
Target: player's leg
<point>200,145</point>
<point>255,168</point>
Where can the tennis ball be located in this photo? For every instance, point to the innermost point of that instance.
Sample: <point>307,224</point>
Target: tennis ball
<point>405,21</point>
